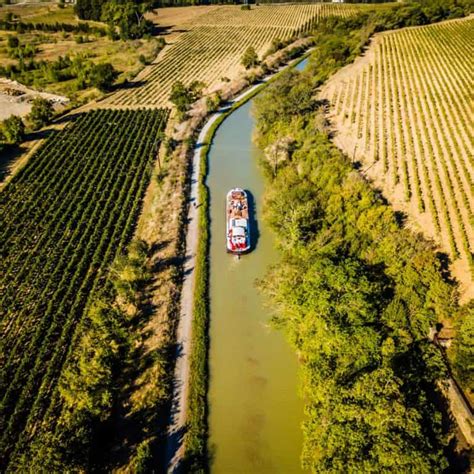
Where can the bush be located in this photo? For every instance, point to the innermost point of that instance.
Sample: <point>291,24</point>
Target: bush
<point>250,58</point>
<point>102,76</point>
<point>41,113</point>
<point>13,130</point>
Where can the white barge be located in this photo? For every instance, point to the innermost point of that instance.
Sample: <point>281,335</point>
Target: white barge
<point>238,228</point>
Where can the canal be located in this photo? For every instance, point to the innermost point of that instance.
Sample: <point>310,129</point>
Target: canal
<point>255,412</point>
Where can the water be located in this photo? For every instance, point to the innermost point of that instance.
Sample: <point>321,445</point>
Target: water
<point>255,412</point>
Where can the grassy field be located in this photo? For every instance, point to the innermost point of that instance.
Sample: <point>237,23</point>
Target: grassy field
<point>212,45</point>
<point>50,46</point>
<point>405,111</point>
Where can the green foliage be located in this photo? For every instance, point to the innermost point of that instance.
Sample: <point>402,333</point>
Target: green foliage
<point>196,436</point>
<point>79,70</point>
<point>213,102</point>
<point>12,23</point>
<point>41,113</point>
<point>143,460</point>
<point>89,9</point>
<point>128,17</point>
<point>86,383</point>
<point>182,96</point>
<point>13,130</point>
<point>102,76</point>
<point>16,50</point>
<point>13,42</point>
<point>249,58</point>
<point>464,347</point>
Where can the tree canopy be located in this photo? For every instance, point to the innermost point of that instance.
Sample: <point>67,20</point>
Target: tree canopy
<point>13,130</point>
<point>249,58</point>
<point>41,112</point>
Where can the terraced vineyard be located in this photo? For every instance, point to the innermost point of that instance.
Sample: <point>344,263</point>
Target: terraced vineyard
<point>406,111</point>
<point>65,216</point>
<point>215,42</point>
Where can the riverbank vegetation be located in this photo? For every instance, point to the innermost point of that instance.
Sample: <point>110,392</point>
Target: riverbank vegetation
<point>195,459</point>
<point>355,291</point>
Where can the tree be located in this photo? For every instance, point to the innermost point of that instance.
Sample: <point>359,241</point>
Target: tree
<point>41,113</point>
<point>250,58</point>
<point>13,42</point>
<point>128,16</point>
<point>13,129</point>
<point>89,9</point>
<point>102,76</point>
<point>182,97</point>
<point>464,348</point>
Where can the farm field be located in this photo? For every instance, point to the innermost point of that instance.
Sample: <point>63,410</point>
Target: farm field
<point>65,217</point>
<point>406,112</point>
<point>211,48</point>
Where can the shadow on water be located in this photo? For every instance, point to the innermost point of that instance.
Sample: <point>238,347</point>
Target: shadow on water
<point>253,222</point>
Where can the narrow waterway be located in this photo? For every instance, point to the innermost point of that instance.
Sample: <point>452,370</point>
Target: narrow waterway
<point>255,412</point>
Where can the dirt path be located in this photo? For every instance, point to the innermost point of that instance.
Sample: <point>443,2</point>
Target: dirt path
<point>177,424</point>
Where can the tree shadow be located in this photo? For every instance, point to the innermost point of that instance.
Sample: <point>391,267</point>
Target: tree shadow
<point>8,155</point>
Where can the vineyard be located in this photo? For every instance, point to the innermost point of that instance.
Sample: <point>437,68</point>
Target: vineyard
<point>406,112</point>
<point>212,47</point>
<point>65,216</point>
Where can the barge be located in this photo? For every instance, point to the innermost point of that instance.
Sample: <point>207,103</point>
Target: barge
<point>238,229</point>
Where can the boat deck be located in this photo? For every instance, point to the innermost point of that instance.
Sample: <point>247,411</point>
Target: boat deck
<point>237,206</point>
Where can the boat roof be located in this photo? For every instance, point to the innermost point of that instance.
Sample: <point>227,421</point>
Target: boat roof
<point>238,232</point>
<point>239,223</point>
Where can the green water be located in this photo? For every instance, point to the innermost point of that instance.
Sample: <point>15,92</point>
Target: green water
<point>255,413</point>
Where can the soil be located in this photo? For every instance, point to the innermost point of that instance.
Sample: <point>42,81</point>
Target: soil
<point>15,99</point>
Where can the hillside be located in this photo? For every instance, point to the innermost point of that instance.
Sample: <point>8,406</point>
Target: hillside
<point>212,45</point>
<point>405,111</point>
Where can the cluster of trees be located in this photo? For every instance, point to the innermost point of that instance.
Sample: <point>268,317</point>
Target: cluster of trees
<point>19,51</point>
<point>356,293</point>
<point>83,71</point>
<point>88,384</point>
<point>13,129</point>
<point>126,16</point>
<point>11,24</point>
<point>462,351</point>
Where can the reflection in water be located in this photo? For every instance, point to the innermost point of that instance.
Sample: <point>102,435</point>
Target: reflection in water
<point>255,414</point>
